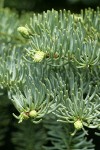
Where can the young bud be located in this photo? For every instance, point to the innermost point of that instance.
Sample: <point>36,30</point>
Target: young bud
<point>38,56</point>
<point>32,113</point>
<point>78,18</point>
<point>24,31</point>
<point>78,125</point>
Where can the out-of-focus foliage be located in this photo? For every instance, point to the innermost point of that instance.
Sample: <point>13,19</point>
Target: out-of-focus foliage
<point>1,3</point>
<point>40,5</point>
<point>86,2</point>
<point>5,117</point>
<point>29,137</point>
<point>22,5</point>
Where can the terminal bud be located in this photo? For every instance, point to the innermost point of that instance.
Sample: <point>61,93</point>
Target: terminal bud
<point>24,31</point>
<point>78,125</point>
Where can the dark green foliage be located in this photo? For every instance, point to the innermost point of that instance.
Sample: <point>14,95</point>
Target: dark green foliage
<point>89,2</point>
<point>24,5</point>
<point>5,117</point>
<point>29,137</point>
<point>40,5</point>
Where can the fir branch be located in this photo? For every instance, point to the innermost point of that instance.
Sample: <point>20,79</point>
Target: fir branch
<point>60,137</point>
<point>11,67</point>
<point>62,30</point>
<point>34,97</point>
<point>28,136</point>
<point>75,104</point>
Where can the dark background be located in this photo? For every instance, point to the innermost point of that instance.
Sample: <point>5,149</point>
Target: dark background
<point>42,5</point>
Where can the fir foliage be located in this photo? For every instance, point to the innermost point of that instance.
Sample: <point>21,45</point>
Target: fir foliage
<point>29,136</point>
<point>56,72</point>
<point>60,137</point>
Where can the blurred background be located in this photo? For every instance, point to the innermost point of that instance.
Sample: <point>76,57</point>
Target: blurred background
<point>41,5</point>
